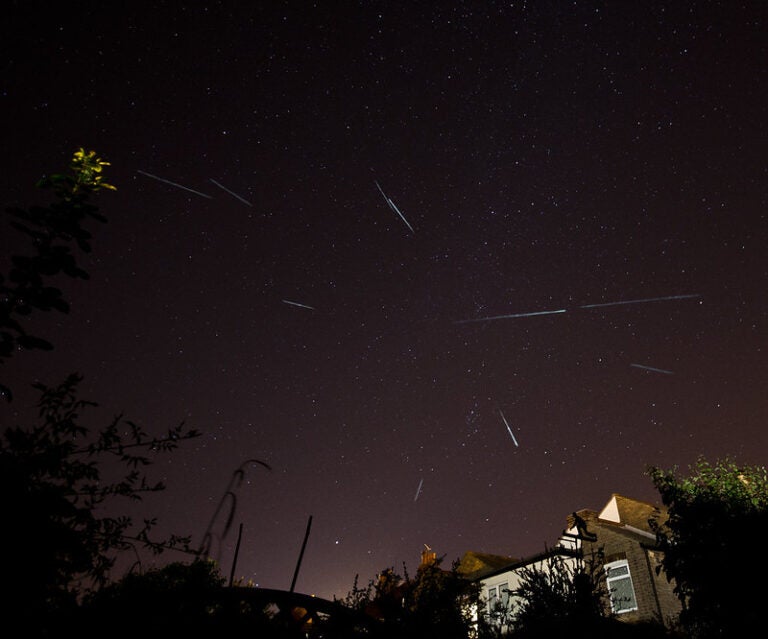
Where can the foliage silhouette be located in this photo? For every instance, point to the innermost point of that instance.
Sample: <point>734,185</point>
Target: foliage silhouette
<point>177,600</point>
<point>568,591</point>
<point>56,232</point>
<point>566,596</point>
<point>58,543</point>
<point>435,602</point>
<point>712,543</point>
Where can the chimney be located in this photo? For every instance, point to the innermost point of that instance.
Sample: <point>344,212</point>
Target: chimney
<point>428,557</point>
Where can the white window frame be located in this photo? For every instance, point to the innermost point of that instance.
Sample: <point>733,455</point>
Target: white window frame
<point>621,563</point>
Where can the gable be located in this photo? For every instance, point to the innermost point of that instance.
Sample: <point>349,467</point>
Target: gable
<point>610,511</point>
<point>628,512</point>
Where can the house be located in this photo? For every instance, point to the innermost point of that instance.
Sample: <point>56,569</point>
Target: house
<point>619,535</point>
<point>499,580</point>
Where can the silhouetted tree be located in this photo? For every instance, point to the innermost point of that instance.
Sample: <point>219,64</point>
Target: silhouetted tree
<point>439,601</point>
<point>713,543</point>
<point>567,597</point>
<point>57,232</point>
<point>56,539</point>
<point>566,593</point>
<point>180,599</point>
<point>59,540</point>
<point>160,602</point>
<point>435,602</point>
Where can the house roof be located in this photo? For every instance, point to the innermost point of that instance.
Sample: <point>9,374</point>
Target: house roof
<point>628,512</point>
<point>474,563</point>
<point>621,513</point>
<point>512,564</point>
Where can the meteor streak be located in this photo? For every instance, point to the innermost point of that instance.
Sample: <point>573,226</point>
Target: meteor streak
<point>512,316</point>
<point>649,299</point>
<point>178,186</point>
<point>381,191</point>
<point>418,490</point>
<point>393,206</point>
<point>650,368</point>
<point>509,430</point>
<point>312,308</point>
<point>232,193</point>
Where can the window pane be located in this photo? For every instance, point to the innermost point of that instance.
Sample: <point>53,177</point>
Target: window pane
<point>504,594</point>
<point>618,571</point>
<point>620,587</point>
<point>622,595</point>
<point>491,599</point>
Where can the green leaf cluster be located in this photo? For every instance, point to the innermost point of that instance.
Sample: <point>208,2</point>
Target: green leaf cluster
<point>57,233</point>
<point>712,540</point>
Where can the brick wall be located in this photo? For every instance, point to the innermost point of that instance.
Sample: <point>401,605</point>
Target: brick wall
<point>655,598</point>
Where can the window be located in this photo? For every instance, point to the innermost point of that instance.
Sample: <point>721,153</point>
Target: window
<point>619,584</point>
<point>492,598</point>
<point>504,595</point>
<point>498,602</point>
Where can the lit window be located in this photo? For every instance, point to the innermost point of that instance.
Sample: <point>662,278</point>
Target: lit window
<point>619,583</point>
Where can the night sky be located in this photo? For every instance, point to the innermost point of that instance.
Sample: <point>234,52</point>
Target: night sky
<point>340,236</point>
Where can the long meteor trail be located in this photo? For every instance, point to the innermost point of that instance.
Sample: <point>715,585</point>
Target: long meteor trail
<point>650,368</point>
<point>311,308</point>
<point>649,299</point>
<point>393,207</point>
<point>563,310</point>
<point>232,193</point>
<point>509,430</point>
<point>178,186</point>
<point>512,316</point>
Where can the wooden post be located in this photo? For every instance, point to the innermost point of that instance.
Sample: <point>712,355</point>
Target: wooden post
<point>301,554</point>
